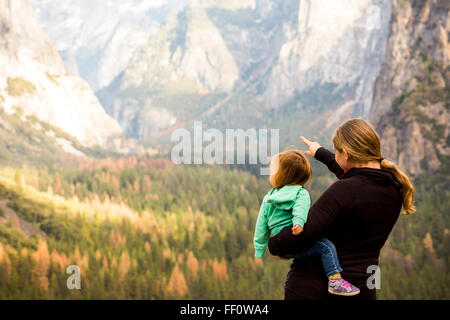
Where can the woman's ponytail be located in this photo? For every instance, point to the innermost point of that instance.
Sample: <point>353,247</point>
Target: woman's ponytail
<point>407,189</point>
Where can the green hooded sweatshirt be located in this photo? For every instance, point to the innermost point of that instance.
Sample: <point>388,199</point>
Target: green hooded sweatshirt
<point>288,205</point>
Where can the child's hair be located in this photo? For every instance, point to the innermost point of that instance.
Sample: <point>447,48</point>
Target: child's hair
<point>362,144</point>
<point>290,168</point>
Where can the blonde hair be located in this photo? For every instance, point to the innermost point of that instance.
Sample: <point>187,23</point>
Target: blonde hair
<point>290,167</point>
<point>360,140</point>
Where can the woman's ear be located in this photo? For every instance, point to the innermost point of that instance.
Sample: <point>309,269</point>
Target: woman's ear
<point>345,153</point>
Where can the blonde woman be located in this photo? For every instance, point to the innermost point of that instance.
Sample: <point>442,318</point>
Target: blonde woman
<point>356,213</point>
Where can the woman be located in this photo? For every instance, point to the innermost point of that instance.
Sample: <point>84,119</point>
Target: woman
<point>356,213</point>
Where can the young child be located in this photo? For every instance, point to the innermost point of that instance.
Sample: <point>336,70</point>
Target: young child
<point>288,204</point>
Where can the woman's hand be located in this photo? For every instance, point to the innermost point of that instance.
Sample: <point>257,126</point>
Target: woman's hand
<point>312,146</point>
<point>281,258</point>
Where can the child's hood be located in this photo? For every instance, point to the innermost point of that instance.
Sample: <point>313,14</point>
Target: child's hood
<point>284,198</point>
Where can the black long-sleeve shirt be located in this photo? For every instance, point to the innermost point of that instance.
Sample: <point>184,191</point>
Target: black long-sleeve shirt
<point>356,213</point>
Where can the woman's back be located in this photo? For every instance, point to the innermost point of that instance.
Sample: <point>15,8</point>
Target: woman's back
<point>373,206</point>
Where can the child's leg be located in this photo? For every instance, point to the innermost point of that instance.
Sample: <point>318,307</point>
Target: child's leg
<point>329,257</point>
<point>324,249</point>
<point>327,253</point>
<point>314,250</point>
<point>330,261</point>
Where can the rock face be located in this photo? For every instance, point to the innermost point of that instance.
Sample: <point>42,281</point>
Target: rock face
<point>96,38</point>
<point>187,58</point>
<point>411,102</point>
<point>33,81</point>
<point>337,42</point>
<point>273,51</point>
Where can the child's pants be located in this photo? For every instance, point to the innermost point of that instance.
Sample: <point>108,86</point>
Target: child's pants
<point>326,251</point>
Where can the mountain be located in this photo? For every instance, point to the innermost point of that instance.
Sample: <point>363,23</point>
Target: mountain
<point>34,82</point>
<point>267,57</point>
<point>410,111</point>
<point>149,229</point>
<point>267,60</point>
<point>96,38</point>
<point>187,59</point>
<point>336,42</point>
<point>412,99</point>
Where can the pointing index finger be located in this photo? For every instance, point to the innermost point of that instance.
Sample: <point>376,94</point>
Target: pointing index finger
<point>305,141</point>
